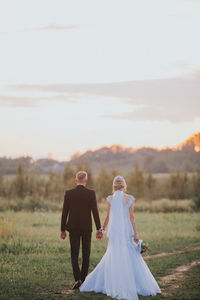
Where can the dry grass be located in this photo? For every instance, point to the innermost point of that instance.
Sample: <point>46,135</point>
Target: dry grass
<point>7,227</point>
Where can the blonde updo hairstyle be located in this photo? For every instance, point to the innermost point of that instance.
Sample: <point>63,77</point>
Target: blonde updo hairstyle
<point>119,183</point>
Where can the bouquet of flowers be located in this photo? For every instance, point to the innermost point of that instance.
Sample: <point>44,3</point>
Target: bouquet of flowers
<point>141,246</point>
<point>144,247</point>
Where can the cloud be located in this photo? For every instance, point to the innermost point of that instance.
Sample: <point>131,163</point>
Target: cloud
<point>174,99</point>
<point>55,27</point>
<point>27,101</point>
<point>50,27</point>
<point>160,113</point>
<point>14,101</point>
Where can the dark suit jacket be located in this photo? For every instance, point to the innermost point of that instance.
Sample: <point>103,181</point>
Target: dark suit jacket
<point>77,207</point>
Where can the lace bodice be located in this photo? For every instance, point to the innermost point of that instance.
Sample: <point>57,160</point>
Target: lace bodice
<point>119,216</point>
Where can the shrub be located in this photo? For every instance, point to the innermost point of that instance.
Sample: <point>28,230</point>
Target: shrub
<point>196,203</point>
<point>34,203</point>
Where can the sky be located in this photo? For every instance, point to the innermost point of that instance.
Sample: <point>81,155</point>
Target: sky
<point>78,75</point>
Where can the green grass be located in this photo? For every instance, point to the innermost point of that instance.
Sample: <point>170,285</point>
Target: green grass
<point>35,262</point>
<point>190,286</point>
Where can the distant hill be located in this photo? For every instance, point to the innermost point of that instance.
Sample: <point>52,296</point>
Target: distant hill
<point>40,166</point>
<point>184,157</point>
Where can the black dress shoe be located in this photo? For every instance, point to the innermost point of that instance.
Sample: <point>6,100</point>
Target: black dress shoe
<point>77,285</point>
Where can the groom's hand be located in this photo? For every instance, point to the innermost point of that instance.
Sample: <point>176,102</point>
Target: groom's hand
<point>63,235</point>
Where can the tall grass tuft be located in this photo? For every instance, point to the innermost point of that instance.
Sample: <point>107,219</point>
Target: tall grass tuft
<point>7,227</point>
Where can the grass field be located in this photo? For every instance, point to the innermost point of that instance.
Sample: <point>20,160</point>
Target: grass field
<point>35,262</point>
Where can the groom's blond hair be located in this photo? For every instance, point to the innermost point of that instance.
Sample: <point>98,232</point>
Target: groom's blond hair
<point>81,176</point>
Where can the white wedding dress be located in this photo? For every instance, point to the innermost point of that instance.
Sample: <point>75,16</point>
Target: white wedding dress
<point>122,272</point>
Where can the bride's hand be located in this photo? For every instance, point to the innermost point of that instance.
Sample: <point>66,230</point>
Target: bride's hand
<point>136,238</point>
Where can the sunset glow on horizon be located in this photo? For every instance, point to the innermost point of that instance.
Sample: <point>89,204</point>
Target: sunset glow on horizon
<point>77,75</point>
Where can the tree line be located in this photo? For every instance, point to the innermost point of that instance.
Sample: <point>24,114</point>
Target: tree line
<point>143,185</point>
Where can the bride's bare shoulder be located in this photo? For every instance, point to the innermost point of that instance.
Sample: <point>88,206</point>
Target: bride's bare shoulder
<point>127,197</point>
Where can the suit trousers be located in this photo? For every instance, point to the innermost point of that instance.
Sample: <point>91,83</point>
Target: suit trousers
<point>75,239</point>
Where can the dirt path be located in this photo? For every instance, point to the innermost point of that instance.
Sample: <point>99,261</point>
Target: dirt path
<point>67,292</point>
<point>188,249</point>
<point>57,292</point>
<point>172,281</point>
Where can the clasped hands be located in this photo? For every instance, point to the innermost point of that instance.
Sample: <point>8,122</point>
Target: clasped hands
<point>99,235</point>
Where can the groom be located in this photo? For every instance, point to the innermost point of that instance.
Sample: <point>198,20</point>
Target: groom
<point>78,204</point>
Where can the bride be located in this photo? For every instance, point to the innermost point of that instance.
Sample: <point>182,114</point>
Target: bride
<point>122,272</point>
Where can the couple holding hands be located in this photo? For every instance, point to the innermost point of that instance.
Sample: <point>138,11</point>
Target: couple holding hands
<point>122,272</point>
